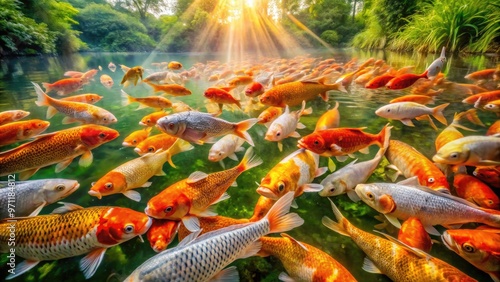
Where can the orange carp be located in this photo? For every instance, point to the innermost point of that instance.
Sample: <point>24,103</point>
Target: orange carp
<point>156,102</point>
<point>161,233</point>
<point>330,119</point>
<point>413,234</point>
<point>293,93</point>
<point>88,231</point>
<point>106,81</point>
<point>292,174</point>
<point>302,261</point>
<point>64,86</point>
<point>21,130</point>
<point>488,174</point>
<point>74,111</point>
<point>195,195</point>
<point>59,147</point>
<point>132,75</point>
<point>13,115</point>
<point>171,89</point>
<point>155,143</point>
<point>479,247</point>
<point>340,142</point>
<point>88,98</point>
<point>136,137</point>
<point>151,119</point>
<point>409,162</point>
<point>135,173</point>
<point>475,191</point>
<point>393,258</point>
<point>221,97</point>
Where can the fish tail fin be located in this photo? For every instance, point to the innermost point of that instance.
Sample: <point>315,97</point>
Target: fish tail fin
<point>342,221</point>
<point>424,75</point>
<point>278,217</point>
<point>242,127</point>
<point>43,98</point>
<point>384,136</point>
<point>126,99</point>
<point>471,116</point>
<point>47,86</point>
<point>249,160</point>
<point>155,87</point>
<point>340,87</point>
<point>179,146</point>
<point>437,112</point>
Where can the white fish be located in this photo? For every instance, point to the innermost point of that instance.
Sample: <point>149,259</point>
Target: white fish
<point>285,125</point>
<point>345,179</point>
<point>203,258</point>
<point>226,147</point>
<point>471,150</point>
<point>32,196</point>
<point>405,111</point>
<point>436,66</point>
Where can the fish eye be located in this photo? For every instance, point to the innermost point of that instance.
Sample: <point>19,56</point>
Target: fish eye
<point>129,228</point>
<point>316,142</point>
<point>278,133</point>
<point>281,186</point>
<point>102,135</point>
<point>60,187</point>
<point>332,190</point>
<point>454,155</point>
<point>369,195</point>
<point>171,125</point>
<point>431,180</point>
<point>39,125</point>
<point>151,149</point>
<point>148,121</point>
<point>105,119</point>
<point>468,248</point>
<point>220,153</point>
<point>388,110</point>
<point>169,209</point>
<point>490,202</point>
<point>108,185</point>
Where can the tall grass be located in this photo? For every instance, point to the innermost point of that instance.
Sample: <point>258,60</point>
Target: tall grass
<point>459,25</point>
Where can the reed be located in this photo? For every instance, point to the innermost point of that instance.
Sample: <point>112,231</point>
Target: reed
<point>459,25</point>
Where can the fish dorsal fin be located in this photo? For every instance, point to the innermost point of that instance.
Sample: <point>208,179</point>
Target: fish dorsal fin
<point>221,231</point>
<point>410,249</point>
<point>370,267</point>
<point>292,155</point>
<point>284,235</point>
<point>189,238</point>
<point>66,207</point>
<point>196,176</point>
<point>412,181</point>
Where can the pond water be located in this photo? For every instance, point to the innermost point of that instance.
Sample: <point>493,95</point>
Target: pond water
<point>357,109</point>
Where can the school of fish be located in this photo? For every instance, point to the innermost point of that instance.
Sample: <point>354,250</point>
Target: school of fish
<point>450,191</point>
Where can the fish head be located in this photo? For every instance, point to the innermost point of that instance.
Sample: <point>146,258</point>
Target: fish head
<point>93,98</point>
<point>35,127</point>
<point>215,155</point>
<point>209,93</point>
<point>275,133</point>
<point>333,186</point>
<point>95,135</point>
<point>313,142</point>
<point>452,153</point>
<point>375,196</point>
<point>388,111</point>
<point>20,115</point>
<point>472,245</point>
<point>161,233</point>
<point>111,183</point>
<point>57,189</point>
<point>275,185</point>
<point>105,117</point>
<point>131,141</point>
<point>268,99</point>
<point>119,224</point>
<point>171,125</point>
<point>170,205</point>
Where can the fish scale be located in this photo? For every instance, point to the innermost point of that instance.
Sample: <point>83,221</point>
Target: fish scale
<point>45,150</point>
<point>199,261</point>
<point>432,208</point>
<point>55,236</point>
<point>196,121</point>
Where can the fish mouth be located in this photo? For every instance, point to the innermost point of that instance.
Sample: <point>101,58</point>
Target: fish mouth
<point>266,192</point>
<point>142,123</point>
<point>301,144</point>
<point>95,194</point>
<point>447,241</point>
<point>126,144</point>
<point>137,150</point>
<point>146,226</point>
<point>438,159</point>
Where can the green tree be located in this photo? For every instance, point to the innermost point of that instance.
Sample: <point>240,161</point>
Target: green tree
<point>104,28</point>
<point>144,7</point>
<point>22,35</point>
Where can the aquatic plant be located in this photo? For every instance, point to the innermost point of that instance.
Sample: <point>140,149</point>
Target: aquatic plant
<point>460,25</point>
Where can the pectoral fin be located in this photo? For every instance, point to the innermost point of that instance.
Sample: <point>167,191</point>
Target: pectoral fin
<point>226,275</point>
<point>23,175</point>
<point>393,220</point>
<point>91,262</point>
<point>23,267</point>
<point>86,159</point>
<point>285,277</point>
<point>370,267</point>
<point>132,195</point>
<point>63,165</point>
<point>191,223</point>
<point>38,209</point>
<point>407,122</point>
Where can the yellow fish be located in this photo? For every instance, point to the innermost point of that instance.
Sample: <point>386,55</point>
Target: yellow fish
<point>132,75</point>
